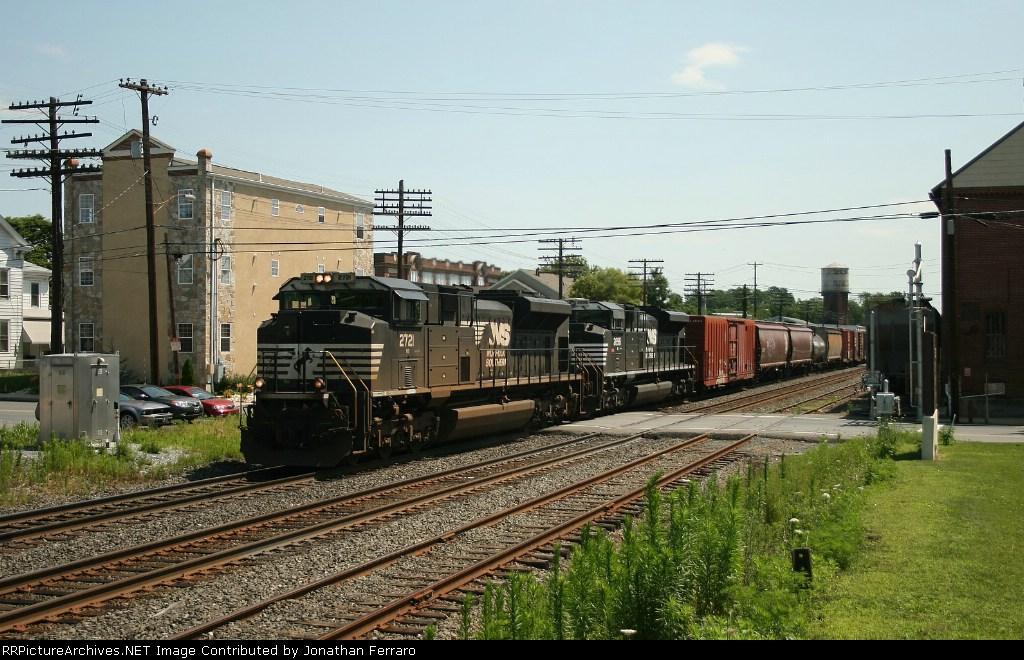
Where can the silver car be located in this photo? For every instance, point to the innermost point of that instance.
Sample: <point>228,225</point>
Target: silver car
<point>132,412</point>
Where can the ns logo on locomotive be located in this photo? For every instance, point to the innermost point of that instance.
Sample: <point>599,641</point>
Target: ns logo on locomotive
<point>353,366</point>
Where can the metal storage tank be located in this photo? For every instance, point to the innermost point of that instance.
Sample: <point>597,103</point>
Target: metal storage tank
<point>835,293</point>
<point>78,397</point>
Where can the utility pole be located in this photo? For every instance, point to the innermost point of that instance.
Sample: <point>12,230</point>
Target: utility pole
<point>702,282</point>
<point>145,90</point>
<point>175,342</point>
<point>60,162</point>
<point>949,297</point>
<point>402,203</point>
<point>560,265</point>
<point>653,272</point>
<point>755,265</point>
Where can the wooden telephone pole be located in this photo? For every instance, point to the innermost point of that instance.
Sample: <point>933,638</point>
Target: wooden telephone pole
<point>60,162</point>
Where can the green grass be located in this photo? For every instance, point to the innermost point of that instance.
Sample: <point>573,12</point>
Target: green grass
<point>943,555</point>
<point>901,549</point>
<point>30,471</point>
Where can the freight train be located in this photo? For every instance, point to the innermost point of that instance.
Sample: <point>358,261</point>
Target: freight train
<point>354,366</point>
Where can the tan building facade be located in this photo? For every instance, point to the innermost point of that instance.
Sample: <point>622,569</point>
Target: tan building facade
<point>225,239</point>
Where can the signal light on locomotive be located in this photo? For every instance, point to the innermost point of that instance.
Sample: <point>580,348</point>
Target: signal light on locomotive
<point>319,383</point>
<point>323,278</point>
<point>259,383</point>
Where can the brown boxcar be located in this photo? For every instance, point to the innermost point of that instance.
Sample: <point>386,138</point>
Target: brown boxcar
<point>772,348</point>
<point>800,341</point>
<point>725,346</point>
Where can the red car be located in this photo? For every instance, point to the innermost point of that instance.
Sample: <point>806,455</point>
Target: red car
<point>213,406</point>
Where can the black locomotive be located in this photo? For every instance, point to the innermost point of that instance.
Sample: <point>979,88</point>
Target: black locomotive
<point>353,366</point>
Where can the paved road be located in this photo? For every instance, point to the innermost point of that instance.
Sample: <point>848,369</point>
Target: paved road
<point>12,412</point>
<point>803,427</point>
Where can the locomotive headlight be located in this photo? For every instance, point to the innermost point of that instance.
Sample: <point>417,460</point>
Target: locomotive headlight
<point>319,278</point>
<point>319,383</point>
<point>327,278</point>
<point>259,383</point>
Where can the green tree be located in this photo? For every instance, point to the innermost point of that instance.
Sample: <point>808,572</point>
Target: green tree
<point>38,231</point>
<point>608,284</point>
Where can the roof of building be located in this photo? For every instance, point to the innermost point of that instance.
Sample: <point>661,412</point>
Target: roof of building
<point>121,148</point>
<point>1001,164</point>
<point>534,283</point>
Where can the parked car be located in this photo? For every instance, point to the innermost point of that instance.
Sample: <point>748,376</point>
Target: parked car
<point>213,405</point>
<point>132,412</point>
<point>183,407</point>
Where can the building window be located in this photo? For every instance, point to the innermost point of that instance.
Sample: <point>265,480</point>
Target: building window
<point>299,209</point>
<point>225,204</point>
<point>86,208</point>
<point>479,280</point>
<point>360,271</point>
<point>34,296</point>
<point>321,268</point>
<point>86,337</point>
<point>321,214</point>
<point>428,277</point>
<point>5,336</point>
<point>85,271</point>
<point>185,201</point>
<point>275,207</point>
<point>185,269</point>
<point>360,226</point>
<point>185,337</point>
<point>225,269</point>
<point>414,276</point>
<point>995,335</point>
<point>225,337</point>
<point>5,282</point>
<point>275,268</point>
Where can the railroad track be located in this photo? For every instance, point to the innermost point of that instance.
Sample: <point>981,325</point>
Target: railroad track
<point>760,399</point>
<point>428,578</point>
<point>95,584</point>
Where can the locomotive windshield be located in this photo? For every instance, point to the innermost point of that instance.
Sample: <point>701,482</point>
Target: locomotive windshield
<point>370,302</point>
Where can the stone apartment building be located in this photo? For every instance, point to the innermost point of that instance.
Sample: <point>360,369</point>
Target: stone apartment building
<point>226,240</point>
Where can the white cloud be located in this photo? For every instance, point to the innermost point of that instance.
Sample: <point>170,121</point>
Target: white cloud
<point>709,55</point>
<point>52,50</point>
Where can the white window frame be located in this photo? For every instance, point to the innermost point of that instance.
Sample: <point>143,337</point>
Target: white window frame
<point>225,337</point>
<point>86,209</point>
<point>186,269</point>
<point>321,214</point>
<point>186,207</point>
<point>226,275</point>
<point>5,336</point>
<point>321,268</point>
<point>360,226</point>
<point>299,209</point>
<point>186,337</point>
<point>275,268</point>
<point>35,294</point>
<point>275,207</point>
<point>225,204</point>
<point>86,271</point>
<point>5,283</point>
<point>87,332</point>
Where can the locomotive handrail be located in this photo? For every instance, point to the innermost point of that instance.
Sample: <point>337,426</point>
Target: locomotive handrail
<point>355,393</point>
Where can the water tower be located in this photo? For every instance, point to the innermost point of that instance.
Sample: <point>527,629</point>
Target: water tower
<point>835,293</point>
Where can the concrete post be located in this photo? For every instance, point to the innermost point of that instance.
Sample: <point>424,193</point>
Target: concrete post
<point>930,437</point>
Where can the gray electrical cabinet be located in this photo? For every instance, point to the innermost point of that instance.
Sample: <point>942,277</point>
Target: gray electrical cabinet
<point>78,394</point>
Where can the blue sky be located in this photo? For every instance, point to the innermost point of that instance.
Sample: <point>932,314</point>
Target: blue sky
<point>641,128</point>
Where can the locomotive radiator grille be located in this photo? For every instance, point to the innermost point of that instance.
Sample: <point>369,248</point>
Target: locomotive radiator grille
<point>595,354</point>
<point>359,361</point>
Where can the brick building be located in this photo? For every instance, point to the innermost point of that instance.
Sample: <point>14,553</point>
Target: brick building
<point>983,276</point>
<point>422,270</point>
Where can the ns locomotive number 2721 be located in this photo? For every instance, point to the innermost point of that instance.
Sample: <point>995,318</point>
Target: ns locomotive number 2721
<point>354,366</point>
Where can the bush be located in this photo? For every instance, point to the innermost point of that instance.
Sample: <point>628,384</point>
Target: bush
<point>188,373</point>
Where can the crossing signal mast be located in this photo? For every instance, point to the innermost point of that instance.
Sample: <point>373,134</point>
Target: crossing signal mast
<point>59,163</point>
